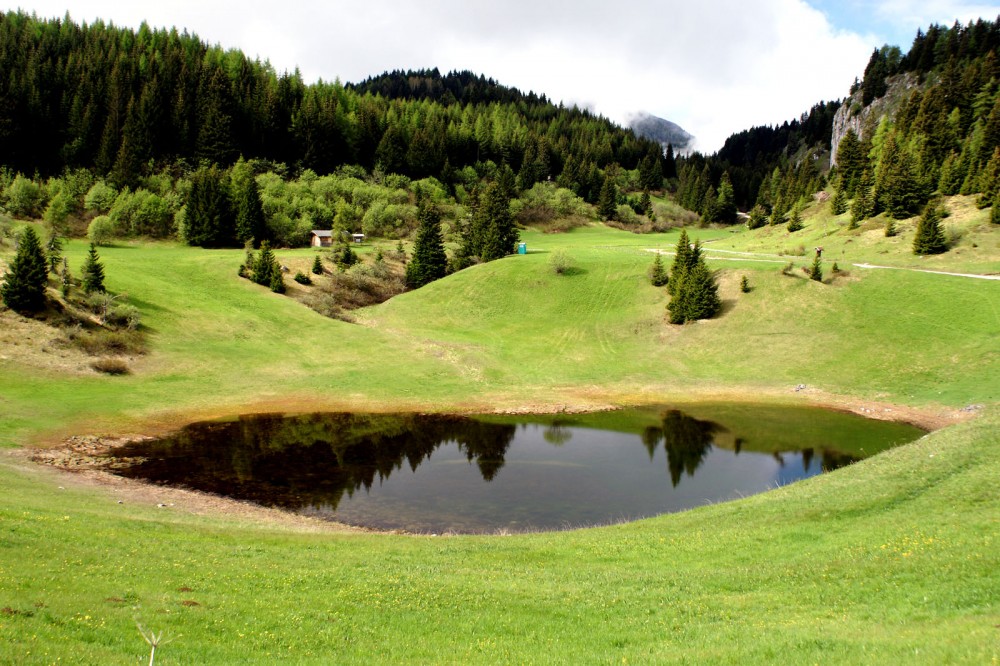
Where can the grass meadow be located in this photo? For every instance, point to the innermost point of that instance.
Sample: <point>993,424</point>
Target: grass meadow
<point>892,560</point>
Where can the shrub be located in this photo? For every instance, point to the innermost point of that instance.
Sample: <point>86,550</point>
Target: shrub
<point>625,215</point>
<point>745,285</point>
<point>111,366</point>
<point>101,230</point>
<point>302,278</point>
<point>24,197</point>
<point>560,262</point>
<point>99,198</point>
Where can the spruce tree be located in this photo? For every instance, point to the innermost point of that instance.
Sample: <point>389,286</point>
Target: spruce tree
<point>265,266</point>
<point>890,228</point>
<point>65,279</point>
<point>429,260</point>
<point>495,224</point>
<point>758,217</point>
<point>682,261</point>
<point>54,251</point>
<point>92,272</point>
<point>695,294</point>
<point>607,202</point>
<point>816,272</point>
<point>317,267</point>
<point>209,217</point>
<point>658,275</point>
<point>838,205</point>
<point>929,238</point>
<point>795,221</point>
<point>23,288</point>
<point>249,212</point>
<point>863,206</point>
<point>725,206</point>
<point>277,283</point>
<point>646,203</point>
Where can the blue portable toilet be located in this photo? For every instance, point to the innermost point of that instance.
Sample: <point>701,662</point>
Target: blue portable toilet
<point>522,248</point>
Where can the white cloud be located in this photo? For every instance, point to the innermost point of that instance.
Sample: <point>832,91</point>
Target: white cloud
<point>714,67</point>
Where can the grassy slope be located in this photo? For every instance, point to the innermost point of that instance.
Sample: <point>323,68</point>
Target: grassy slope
<point>797,574</point>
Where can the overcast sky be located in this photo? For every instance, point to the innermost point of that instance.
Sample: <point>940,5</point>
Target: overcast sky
<point>715,67</point>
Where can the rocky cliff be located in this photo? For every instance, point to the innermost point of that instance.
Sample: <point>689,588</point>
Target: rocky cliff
<point>851,114</point>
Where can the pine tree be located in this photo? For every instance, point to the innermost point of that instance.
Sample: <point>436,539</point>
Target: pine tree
<point>65,279</point>
<point>816,272</point>
<point>277,283</point>
<point>495,224</point>
<point>863,207</point>
<point>429,260</point>
<point>249,212</point>
<point>725,205</point>
<point>682,261</point>
<point>607,202</point>
<point>93,272</point>
<point>209,217</point>
<point>695,294</point>
<point>265,266</point>
<point>758,217</point>
<point>795,222</point>
<point>929,238</point>
<point>890,228</point>
<point>54,251</point>
<point>317,267</point>
<point>838,205</point>
<point>658,275</point>
<point>646,203</point>
<point>23,288</point>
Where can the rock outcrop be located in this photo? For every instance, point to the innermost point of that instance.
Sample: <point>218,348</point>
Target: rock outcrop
<point>852,115</point>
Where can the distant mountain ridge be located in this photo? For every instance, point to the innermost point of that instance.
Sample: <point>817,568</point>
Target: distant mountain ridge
<point>661,130</point>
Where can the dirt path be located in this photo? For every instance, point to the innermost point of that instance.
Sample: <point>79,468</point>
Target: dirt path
<point>924,270</point>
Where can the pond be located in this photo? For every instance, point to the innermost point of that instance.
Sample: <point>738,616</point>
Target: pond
<point>483,474</point>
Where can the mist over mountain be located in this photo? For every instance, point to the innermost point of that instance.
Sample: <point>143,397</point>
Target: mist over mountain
<point>661,130</point>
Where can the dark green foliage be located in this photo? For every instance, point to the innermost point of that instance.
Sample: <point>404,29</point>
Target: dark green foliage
<point>995,211</point>
<point>93,272</point>
<point>795,221</point>
<point>851,162</point>
<point>23,288</point>
<point>249,212</point>
<point>745,285</point>
<point>65,279</point>
<point>264,266</point>
<point>209,220</point>
<point>838,204</point>
<point>651,171</point>
<point>54,251</point>
<point>929,238</point>
<point>645,204</point>
<point>658,276</point>
<point>758,217</point>
<point>429,261</point>
<point>317,267</point>
<point>725,206</point>
<point>302,278</point>
<point>697,296</point>
<point>692,287</point>
<point>816,271</point>
<point>863,206</point>
<point>890,228</point>
<point>492,234</point>
<point>684,258</point>
<point>607,202</point>
<point>277,284</point>
<point>345,257</point>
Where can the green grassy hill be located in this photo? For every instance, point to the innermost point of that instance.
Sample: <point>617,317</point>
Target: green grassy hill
<point>890,560</point>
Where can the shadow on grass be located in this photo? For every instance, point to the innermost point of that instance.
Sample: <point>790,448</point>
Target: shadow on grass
<point>573,271</point>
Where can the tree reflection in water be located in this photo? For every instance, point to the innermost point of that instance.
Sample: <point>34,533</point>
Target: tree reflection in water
<point>312,460</point>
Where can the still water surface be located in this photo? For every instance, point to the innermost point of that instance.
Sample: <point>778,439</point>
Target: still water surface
<point>482,474</point>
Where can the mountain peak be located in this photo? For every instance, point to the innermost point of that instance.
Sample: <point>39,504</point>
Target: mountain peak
<point>660,130</point>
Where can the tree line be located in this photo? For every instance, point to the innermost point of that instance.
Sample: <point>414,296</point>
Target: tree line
<point>125,103</point>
